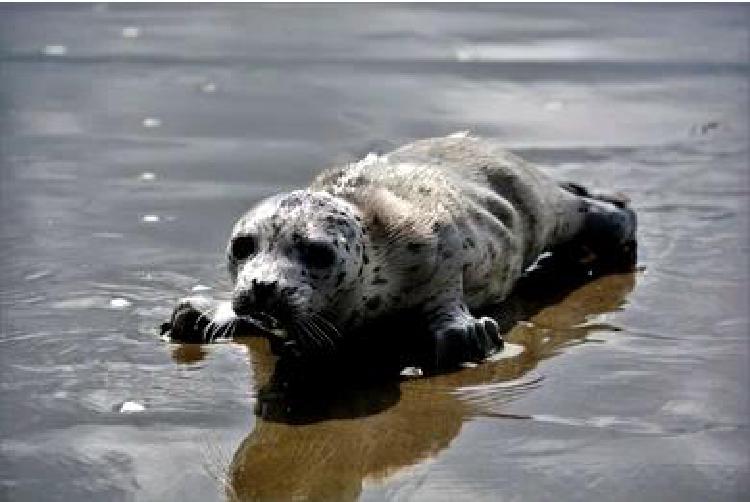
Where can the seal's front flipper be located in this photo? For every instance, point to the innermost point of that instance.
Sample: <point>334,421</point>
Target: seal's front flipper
<point>199,319</point>
<point>460,337</point>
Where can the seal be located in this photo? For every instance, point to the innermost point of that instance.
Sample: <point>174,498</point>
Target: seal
<point>440,228</point>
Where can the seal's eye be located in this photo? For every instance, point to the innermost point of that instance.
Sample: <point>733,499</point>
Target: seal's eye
<point>317,254</point>
<point>243,247</point>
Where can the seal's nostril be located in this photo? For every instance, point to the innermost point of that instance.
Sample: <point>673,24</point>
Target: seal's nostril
<point>243,303</point>
<point>264,290</point>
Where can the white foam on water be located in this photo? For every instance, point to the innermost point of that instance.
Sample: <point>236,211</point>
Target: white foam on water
<point>131,407</point>
<point>151,218</point>
<point>120,303</point>
<point>151,122</point>
<point>208,87</point>
<point>54,50</point>
<point>131,32</point>
<point>554,106</point>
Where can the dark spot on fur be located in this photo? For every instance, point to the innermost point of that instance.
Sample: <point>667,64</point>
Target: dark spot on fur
<point>414,247</point>
<point>340,278</point>
<point>468,243</point>
<point>373,303</point>
<point>378,280</point>
<point>365,259</point>
<point>376,269</point>
<point>413,268</point>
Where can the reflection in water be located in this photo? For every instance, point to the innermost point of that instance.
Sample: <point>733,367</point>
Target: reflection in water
<point>321,441</point>
<point>188,353</point>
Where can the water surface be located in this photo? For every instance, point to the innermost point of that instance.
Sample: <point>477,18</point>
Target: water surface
<point>132,136</point>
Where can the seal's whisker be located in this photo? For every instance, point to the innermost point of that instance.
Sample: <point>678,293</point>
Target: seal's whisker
<point>307,337</point>
<point>317,333</point>
<point>323,329</point>
<point>331,328</point>
<point>314,332</point>
<point>302,332</point>
<point>202,316</point>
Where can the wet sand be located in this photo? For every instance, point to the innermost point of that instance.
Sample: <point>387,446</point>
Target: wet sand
<point>132,136</point>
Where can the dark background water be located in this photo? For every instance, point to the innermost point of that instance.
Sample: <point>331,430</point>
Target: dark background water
<point>131,136</point>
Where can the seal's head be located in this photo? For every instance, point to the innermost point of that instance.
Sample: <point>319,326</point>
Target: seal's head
<point>297,258</point>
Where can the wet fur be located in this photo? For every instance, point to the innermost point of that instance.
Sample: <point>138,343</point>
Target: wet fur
<point>441,227</point>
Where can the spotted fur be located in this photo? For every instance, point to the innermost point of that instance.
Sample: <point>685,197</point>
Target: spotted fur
<point>442,226</point>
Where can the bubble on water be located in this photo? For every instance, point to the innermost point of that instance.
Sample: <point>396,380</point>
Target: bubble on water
<point>554,106</point>
<point>131,407</point>
<point>120,303</point>
<point>208,87</point>
<point>151,122</point>
<point>151,218</point>
<point>200,287</point>
<point>54,50</point>
<point>148,176</point>
<point>131,32</point>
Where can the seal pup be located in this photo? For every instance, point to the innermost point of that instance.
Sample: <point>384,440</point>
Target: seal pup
<point>440,227</point>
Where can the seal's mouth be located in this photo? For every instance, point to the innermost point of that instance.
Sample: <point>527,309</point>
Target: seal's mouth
<point>295,335</point>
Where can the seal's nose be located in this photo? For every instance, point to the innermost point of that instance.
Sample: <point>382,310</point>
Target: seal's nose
<point>263,290</point>
<point>256,298</point>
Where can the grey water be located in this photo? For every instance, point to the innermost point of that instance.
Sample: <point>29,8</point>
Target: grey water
<point>131,137</point>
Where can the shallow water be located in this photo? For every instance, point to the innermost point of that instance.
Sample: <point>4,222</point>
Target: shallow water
<point>132,136</point>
